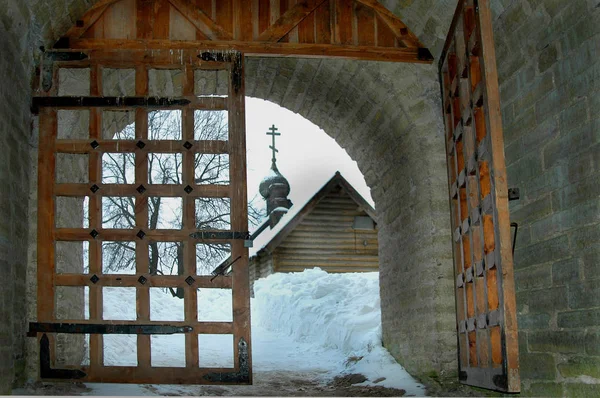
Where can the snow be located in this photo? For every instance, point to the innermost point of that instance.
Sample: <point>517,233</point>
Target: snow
<point>315,322</point>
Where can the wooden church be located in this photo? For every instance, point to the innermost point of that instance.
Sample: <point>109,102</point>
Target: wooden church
<point>336,230</point>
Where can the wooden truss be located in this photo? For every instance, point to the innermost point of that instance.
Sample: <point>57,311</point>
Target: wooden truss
<point>352,29</point>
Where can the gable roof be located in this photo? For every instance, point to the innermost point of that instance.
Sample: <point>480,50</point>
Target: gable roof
<point>269,238</point>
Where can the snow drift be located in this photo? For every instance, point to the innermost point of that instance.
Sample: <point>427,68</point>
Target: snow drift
<point>340,311</point>
<point>309,322</point>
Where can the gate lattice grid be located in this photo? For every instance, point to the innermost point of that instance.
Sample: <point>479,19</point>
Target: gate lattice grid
<point>51,146</point>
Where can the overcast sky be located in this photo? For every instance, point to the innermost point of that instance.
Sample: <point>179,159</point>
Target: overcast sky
<point>307,156</point>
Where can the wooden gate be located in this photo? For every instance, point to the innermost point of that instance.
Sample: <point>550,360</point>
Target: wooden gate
<point>485,296</point>
<point>183,112</point>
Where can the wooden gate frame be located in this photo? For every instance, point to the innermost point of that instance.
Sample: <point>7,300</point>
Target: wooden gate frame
<point>485,294</point>
<point>95,146</point>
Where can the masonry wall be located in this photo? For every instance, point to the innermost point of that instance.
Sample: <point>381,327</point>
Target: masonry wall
<point>14,184</point>
<point>549,72</point>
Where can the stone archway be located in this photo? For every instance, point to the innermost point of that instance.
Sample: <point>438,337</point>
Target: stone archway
<point>387,118</point>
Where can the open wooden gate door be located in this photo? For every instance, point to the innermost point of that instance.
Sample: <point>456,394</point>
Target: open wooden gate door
<point>163,182</point>
<point>485,296</point>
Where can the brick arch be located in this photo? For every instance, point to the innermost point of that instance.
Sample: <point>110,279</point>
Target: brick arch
<point>387,117</point>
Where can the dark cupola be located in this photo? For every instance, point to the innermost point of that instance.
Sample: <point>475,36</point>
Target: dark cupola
<point>274,188</point>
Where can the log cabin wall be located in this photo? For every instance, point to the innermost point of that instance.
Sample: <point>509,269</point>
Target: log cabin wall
<point>259,267</point>
<point>326,239</point>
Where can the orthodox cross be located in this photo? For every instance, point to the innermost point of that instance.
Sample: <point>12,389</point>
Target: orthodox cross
<point>273,132</point>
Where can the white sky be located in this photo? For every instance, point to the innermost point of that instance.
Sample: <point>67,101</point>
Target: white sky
<point>307,156</point>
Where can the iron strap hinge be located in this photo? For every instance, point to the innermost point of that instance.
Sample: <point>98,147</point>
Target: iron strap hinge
<point>95,328</point>
<point>106,102</point>
<point>221,235</point>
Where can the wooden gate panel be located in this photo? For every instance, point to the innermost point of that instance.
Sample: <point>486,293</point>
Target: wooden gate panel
<point>191,278</point>
<point>483,263</point>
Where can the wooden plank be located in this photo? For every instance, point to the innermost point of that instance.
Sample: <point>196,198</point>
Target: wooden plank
<point>167,375</point>
<point>189,222</point>
<point>121,280</point>
<point>306,29</point>
<point>365,23</point>
<point>394,23</point>
<point>410,55</point>
<point>120,20</point>
<point>343,22</point>
<point>129,146</point>
<point>45,216</point>
<point>144,19</point>
<point>224,15</point>
<point>283,7</point>
<point>264,15</point>
<point>162,235</point>
<point>239,210</point>
<point>181,26</point>
<point>289,20</point>
<point>89,19</point>
<point>323,27</point>
<point>242,15</point>
<point>142,294</point>
<point>162,19</point>
<point>198,327</point>
<point>201,20</point>
<point>120,190</point>
<point>503,238</point>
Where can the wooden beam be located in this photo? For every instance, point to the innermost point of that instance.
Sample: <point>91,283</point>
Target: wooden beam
<point>289,20</point>
<point>122,280</point>
<point>395,24</point>
<point>201,21</point>
<point>130,146</point>
<point>411,55</point>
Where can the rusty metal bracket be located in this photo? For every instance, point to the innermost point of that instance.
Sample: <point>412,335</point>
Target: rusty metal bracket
<point>94,328</point>
<point>514,243</point>
<point>241,376</point>
<point>208,235</point>
<point>46,371</point>
<point>220,270</point>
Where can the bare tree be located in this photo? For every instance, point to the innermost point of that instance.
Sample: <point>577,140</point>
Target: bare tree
<point>166,258</point>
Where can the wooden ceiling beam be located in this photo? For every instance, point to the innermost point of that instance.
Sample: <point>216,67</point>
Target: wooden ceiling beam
<point>390,54</point>
<point>201,21</point>
<point>289,20</point>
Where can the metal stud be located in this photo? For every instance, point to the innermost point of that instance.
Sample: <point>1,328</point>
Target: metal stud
<point>188,145</point>
<point>94,144</point>
<point>188,189</point>
<point>94,233</point>
<point>141,189</point>
<point>94,279</point>
<point>141,234</point>
<point>142,279</point>
<point>94,188</point>
<point>140,144</point>
<point>189,280</point>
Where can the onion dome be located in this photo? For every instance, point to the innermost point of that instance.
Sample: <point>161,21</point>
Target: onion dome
<point>274,185</point>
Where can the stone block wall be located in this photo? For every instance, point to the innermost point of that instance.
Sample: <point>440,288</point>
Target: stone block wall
<point>549,71</point>
<point>15,91</point>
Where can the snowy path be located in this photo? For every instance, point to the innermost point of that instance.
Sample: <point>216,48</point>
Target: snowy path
<point>307,329</point>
